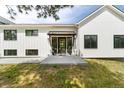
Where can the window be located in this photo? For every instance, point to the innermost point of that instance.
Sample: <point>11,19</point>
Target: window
<point>10,52</point>
<point>31,51</point>
<point>31,32</point>
<point>10,35</point>
<point>118,41</point>
<point>90,41</point>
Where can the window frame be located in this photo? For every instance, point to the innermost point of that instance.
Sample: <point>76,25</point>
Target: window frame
<point>31,50</point>
<point>96,42</point>
<point>115,42</point>
<point>10,30</point>
<point>10,50</point>
<point>31,32</point>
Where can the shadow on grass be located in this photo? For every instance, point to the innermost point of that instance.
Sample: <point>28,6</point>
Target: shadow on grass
<point>38,75</point>
<point>97,75</point>
<point>112,59</point>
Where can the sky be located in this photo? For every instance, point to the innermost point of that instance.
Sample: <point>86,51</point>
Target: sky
<point>67,15</point>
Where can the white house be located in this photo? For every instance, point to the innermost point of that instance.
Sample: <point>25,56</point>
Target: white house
<point>99,35</point>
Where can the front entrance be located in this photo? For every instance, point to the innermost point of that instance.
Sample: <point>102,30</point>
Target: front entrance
<point>62,45</point>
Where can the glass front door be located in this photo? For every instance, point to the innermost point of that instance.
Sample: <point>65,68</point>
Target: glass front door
<point>62,45</point>
<point>69,45</point>
<point>54,45</point>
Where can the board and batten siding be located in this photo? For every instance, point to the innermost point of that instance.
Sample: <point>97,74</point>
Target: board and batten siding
<point>105,26</point>
<point>23,42</point>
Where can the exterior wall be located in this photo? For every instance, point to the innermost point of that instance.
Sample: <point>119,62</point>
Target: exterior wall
<point>40,42</point>
<point>105,25</point>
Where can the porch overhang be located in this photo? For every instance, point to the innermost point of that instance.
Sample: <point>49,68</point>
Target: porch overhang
<point>61,33</point>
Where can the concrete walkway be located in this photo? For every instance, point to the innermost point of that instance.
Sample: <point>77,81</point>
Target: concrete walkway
<point>48,60</point>
<point>63,60</point>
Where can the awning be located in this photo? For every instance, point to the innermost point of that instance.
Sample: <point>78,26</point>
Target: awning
<point>61,33</point>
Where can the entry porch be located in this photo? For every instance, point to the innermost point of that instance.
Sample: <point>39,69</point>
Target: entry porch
<point>62,42</point>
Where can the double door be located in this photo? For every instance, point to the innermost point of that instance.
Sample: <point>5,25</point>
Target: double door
<point>62,45</point>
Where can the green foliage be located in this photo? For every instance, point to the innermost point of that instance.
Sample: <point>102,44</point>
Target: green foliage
<point>42,11</point>
<point>11,73</point>
<point>61,77</point>
<point>97,73</point>
<point>55,66</point>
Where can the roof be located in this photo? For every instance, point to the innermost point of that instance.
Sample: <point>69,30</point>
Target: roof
<point>40,25</point>
<point>5,21</point>
<point>62,33</point>
<point>100,10</point>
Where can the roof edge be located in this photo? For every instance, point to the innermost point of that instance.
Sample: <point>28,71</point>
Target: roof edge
<point>91,14</point>
<point>41,25</point>
<point>6,21</point>
<point>110,7</point>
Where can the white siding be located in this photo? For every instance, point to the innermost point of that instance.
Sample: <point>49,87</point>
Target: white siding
<point>105,26</point>
<point>23,42</point>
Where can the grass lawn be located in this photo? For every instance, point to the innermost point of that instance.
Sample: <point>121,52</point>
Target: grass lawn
<point>97,73</point>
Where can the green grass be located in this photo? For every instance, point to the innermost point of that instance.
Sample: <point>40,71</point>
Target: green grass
<point>97,73</point>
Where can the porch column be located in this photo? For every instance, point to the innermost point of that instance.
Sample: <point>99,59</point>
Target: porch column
<point>74,46</point>
<point>66,45</point>
<point>57,44</point>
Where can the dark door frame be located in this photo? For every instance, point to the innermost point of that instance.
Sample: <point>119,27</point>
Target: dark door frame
<point>62,45</point>
<point>62,36</point>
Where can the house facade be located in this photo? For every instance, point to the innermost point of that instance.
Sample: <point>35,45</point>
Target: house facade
<point>99,35</point>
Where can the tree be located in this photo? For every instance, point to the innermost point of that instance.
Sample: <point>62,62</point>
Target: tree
<point>42,11</point>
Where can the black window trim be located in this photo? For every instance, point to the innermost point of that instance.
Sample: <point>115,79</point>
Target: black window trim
<point>114,41</point>
<point>96,40</point>
<point>10,29</point>
<point>31,30</point>
<point>31,49</point>
<point>10,49</point>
